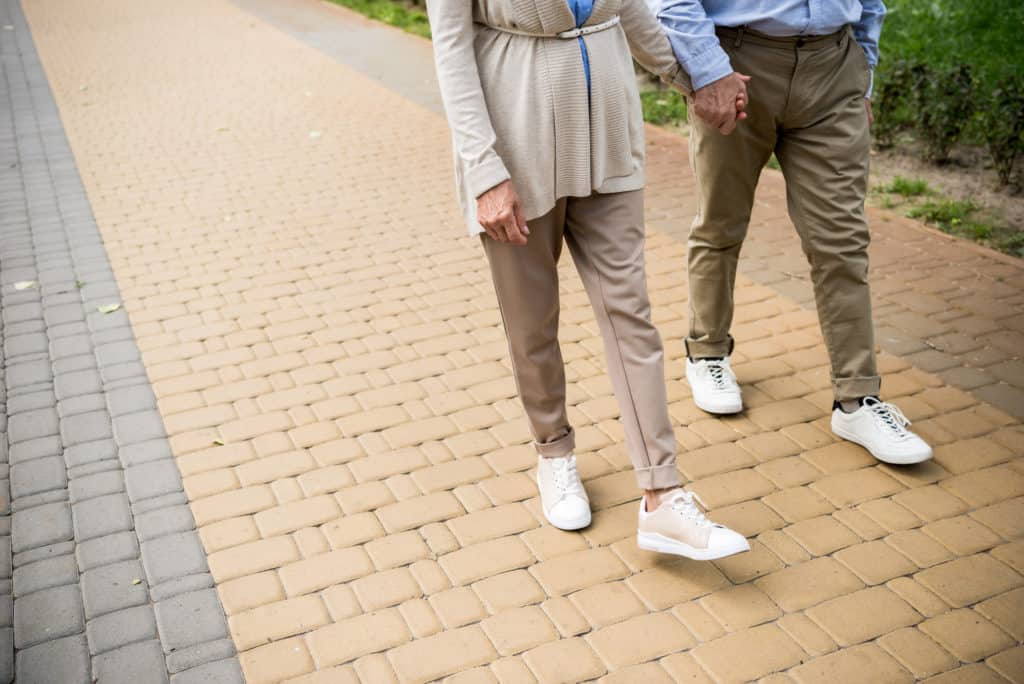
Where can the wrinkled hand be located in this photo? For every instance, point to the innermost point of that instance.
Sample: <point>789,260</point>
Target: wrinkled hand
<point>721,103</point>
<point>500,212</point>
<point>871,115</point>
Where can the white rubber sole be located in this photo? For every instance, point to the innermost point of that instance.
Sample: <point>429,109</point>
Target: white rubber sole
<point>909,459</point>
<point>571,525</point>
<point>649,541</point>
<point>718,410</point>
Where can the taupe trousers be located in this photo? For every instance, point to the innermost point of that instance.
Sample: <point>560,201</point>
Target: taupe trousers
<point>806,104</point>
<point>605,234</point>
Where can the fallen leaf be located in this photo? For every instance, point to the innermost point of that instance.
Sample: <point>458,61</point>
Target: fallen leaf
<point>79,284</point>
<point>24,284</point>
<point>219,442</point>
<point>108,308</point>
<point>136,581</point>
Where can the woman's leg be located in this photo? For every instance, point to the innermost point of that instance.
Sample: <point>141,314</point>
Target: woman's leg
<point>526,283</point>
<point>605,234</point>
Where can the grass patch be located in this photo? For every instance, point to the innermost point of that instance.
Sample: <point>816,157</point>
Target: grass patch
<point>773,163</point>
<point>946,214</point>
<point>908,187</point>
<point>966,219</point>
<point>663,107</point>
<point>403,15</point>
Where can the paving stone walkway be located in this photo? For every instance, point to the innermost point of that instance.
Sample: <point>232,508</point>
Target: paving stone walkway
<point>328,365</point>
<point>104,576</point>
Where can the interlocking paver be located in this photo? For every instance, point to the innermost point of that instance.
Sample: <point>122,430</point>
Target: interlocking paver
<point>345,423</point>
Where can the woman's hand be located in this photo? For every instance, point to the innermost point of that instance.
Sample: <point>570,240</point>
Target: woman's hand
<point>500,212</point>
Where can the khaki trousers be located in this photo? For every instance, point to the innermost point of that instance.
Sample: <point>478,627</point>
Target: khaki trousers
<point>605,234</point>
<point>807,106</point>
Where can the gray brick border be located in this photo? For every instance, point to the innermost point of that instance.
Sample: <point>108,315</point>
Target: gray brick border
<point>102,573</point>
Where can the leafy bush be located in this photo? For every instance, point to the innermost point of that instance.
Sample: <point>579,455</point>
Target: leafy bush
<point>1004,126</point>
<point>945,103</point>
<point>928,48</point>
<point>663,106</point>
<point>890,99</point>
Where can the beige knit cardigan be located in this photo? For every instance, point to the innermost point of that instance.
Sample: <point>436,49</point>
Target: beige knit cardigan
<point>517,105</point>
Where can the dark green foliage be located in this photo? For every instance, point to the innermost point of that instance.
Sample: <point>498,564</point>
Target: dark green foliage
<point>1004,125</point>
<point>890,98</point>
<point>940,56</point>
<point>945,103</point>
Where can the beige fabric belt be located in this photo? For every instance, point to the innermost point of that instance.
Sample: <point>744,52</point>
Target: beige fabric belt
<point>564,35</point>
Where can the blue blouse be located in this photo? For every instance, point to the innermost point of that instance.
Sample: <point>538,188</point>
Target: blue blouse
<point>581,9</point>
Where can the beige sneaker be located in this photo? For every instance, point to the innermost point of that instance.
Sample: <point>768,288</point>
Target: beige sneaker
<point>562,496</point>
<point>678,526</point>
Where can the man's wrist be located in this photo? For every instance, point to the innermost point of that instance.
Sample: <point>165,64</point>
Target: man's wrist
<point>714,67</point>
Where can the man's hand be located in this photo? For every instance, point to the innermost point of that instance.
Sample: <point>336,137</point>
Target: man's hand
<point>721,103</point>
<point>871,115</point>
<point>500,212</point>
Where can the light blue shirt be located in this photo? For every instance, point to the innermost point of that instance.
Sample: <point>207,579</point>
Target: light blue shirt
<point>690,25</point>
<point>581,10</point>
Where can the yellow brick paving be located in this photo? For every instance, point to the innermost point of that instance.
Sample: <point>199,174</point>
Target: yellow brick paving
<point>331,368</point>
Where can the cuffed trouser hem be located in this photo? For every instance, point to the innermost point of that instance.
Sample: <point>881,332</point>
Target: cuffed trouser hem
<point>658,477</point>
<point>559,448</point>
<point>848,389</point>
<point>699,349</point>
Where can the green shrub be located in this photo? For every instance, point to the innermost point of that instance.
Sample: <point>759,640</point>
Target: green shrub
<point>945,103</point>
<point>663,106</point>
<point>1004,126</point>
<point>889,102</point>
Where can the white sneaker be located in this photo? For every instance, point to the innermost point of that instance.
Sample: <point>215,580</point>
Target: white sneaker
<point>679,527</point>
<point>881,428</point>
<point>562,496</point>
<point>714,385</point>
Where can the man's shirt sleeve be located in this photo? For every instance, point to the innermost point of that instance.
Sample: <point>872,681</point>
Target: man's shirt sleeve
<point>692,35</point>
<point>867,30</point>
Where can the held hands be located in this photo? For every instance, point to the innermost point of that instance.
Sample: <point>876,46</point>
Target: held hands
<point>721,104</point>
<point>500,212</point>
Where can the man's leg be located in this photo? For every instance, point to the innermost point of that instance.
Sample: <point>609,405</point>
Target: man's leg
<point>823,151</point>
<point>727,169</point>
<point>526,283</point>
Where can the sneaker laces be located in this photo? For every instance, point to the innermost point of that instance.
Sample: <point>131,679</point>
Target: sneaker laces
<point>564,474</point>
<point>721,374</point>
<point>889,415</point>
<point>689,505</point>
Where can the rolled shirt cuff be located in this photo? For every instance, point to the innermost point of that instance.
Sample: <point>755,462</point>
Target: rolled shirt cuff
<point>712,65</point>
<point>485,175</point>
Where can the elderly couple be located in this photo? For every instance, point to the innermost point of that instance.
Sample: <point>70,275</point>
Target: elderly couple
<point>545,115</point>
